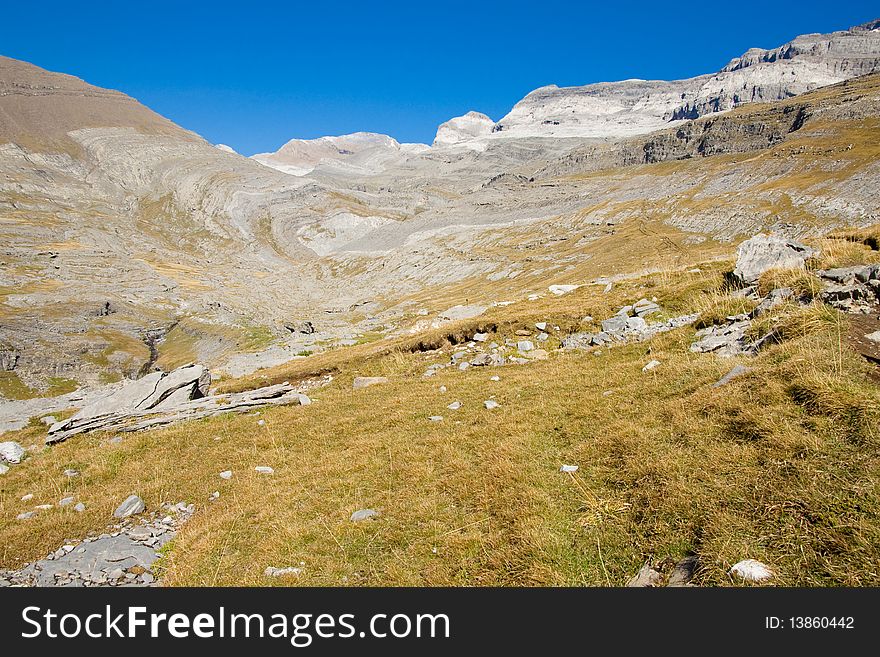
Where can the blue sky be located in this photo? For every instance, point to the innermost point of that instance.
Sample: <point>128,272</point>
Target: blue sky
<point>255,74</point>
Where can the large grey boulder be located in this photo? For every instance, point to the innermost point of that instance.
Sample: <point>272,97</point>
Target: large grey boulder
<point>147,392</point>
<point>764,252</point>
<point>11,452</point>
<point>172,411</point>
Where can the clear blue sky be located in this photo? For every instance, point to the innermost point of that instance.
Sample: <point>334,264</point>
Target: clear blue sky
<point>255,74</point>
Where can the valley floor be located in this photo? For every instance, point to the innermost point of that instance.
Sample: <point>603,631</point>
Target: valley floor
<point>781,464</point>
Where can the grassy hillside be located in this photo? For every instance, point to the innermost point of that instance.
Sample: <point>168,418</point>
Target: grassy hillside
<point>780,465</point>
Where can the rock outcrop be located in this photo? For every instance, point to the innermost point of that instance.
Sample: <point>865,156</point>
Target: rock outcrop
<point>160,399</point>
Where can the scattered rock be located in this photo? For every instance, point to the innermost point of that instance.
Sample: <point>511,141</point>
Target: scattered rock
<point>261,423</point>
<point>454,406</point>
<point>366,381</point>
<point>525,345</point>
<point>643,307</point>
<point>752,570</point>
<point>27,498</point>
<point>66,501</point>
<point>281,572</point>
<point>226,474</point>
<point>435,418</point>
<point>264,469</point>
<point>562,289</point>
<point>27,515</point>
<point>70,473</point>
<point>541,326</point>
<point>874,337</point>
<point>79,507</point>
<point>363,514</point>
<point>764,252</point>
<point>647,576</point>
<point>724,339</point>
<point>132,505</point>
<point>11,452</point>
<point>684,571</point>
<point>568,468</point>
<point>480,337</point>
<point>490,404</point>
<point>487,359</point>
<point>776,298</point>
<point>738,370</point>
<point>495,378</point>
<point>651,365</point>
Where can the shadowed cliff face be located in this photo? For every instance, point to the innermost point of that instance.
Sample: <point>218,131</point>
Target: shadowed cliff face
<point>130,242</point>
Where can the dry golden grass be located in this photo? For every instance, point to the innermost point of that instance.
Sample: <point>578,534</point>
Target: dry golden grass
<point>780,465</point>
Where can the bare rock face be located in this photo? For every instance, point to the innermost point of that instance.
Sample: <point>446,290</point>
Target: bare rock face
<point>357,153</point>
<point>764,252</point>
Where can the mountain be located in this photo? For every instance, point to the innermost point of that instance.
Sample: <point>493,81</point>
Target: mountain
<point>358,153</point>
<point>611,110</point>
<point>131,243</point>
<point>463,128</point>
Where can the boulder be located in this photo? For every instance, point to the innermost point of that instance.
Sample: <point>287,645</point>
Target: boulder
<point>462,312</point>
<point>752,570</point>
<point>684,571</point>
<point>363,514</point>
<point>764,252</point>
<point>488,359</point>
<point>366,381</point>
<point>616,324</point>
<point>647,576</point>
<point>644,307</point>
<point>562,289</point>
<point>11,452</point>
<point>131,506</point>
<point>738,370</point>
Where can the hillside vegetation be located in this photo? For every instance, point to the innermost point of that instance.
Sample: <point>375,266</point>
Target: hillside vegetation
<point>781,464</point>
